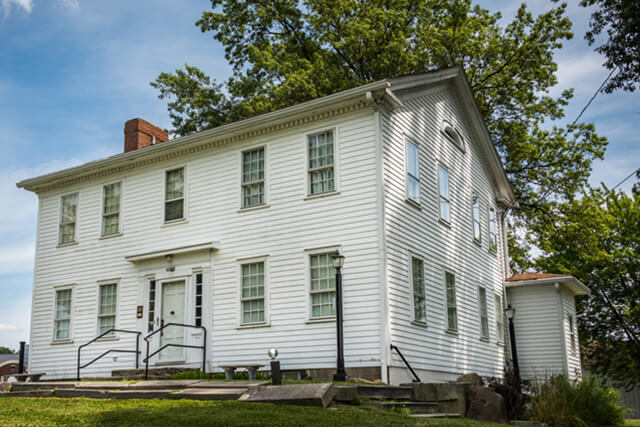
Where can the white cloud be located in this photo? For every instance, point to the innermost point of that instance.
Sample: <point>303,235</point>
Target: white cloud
<point>71,4</point>
<point>26,5</point>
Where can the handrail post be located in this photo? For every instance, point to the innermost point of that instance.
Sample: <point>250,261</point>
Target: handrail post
<point>204,349</point>
<point>146,361</point>
<point>137,349</point>
<point>78,366</point>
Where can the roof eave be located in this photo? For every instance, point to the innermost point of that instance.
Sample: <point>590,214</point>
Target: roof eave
<point>575,285</point>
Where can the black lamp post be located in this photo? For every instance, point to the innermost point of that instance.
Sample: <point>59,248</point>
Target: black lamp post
<point>510,312</point>
<point>338,262</point>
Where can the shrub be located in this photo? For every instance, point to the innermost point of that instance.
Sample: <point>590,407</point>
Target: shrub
<point>510,390</point>
<point>561,402</point>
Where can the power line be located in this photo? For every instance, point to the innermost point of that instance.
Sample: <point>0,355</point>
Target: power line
<point>623,181</point>
<point>594,96</point>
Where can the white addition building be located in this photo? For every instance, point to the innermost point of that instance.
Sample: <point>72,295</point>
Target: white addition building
<point>232,229</point>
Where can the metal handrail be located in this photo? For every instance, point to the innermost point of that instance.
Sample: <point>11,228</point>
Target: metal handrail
<point>203,346</point>
<point>416,379</point>
<point>115,350</point>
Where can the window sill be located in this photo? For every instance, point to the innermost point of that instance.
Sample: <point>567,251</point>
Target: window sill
<point>254,326</point>
<point>499,343</point>
<point>477,242</point>
<point>493,252</point>
<point>419,323</point>
<point>444,222</point>
<point>330,319</point>
<point>64,245</point>
<point>61,342</point>
<point>254,208</point>
<point>174,222</point>
<point>484,339</point>
<point>113,338</point>
<point>321,195</point>
<point>451,332</point>
<point>413,203</point>
<point>109,236</point>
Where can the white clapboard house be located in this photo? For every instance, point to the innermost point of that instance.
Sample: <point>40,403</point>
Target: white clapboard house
<point>232,229</point>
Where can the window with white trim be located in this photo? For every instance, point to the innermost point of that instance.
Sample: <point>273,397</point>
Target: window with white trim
<point>323,285</point>
<point>107,308</point>
<point>484,317</point>
<point>572,334</point>
<point>62,320</point>
<point>252,298</point>
<point>174,195</point>
<point>413,171</point>
<point>321,162</point>
<point>68,214</point>
<point>198,305</point>
<point>499,319</point>
<point>152,305</point>
<point>476,217</point>
<point>253,178</point>
<point>452,310</point>
<point>445,201</point>
<point>111,209</point>
<point>419,297</point>
<point>493,237</point>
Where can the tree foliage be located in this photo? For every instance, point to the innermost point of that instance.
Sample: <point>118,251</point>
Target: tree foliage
<point>597,240</point>
<point>6,350</point>
<point>284,52</point>
<point>620,19</point>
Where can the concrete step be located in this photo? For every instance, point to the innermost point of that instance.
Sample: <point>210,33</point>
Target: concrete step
<point>413,407</point>
<point>41,385</point>
<point>209,393</point>
<point>29,393</point>
<point>436,415</point>
<point>384,392</point>
<point>114,394</point>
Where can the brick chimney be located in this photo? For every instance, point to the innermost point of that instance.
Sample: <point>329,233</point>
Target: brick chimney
<point>140,133</point>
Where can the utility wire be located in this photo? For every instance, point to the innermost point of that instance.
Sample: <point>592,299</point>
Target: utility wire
<point>594,96</point>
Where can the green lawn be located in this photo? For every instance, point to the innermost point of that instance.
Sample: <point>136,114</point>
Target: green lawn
<point>16,411</point>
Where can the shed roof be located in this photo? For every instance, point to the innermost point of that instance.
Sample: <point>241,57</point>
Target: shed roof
<point>575,286</point>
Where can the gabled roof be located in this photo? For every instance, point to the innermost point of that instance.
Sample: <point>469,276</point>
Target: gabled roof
<point>380,90</point>
<point>575,286</point>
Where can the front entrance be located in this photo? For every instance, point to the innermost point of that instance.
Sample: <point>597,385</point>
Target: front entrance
<point>172,312</point>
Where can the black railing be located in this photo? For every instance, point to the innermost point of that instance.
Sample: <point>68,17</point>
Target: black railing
<point>416,379</point>
<point>113,350</point>
<point>203,347</point>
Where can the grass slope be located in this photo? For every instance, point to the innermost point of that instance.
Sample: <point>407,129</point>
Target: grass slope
<point>16,411</point>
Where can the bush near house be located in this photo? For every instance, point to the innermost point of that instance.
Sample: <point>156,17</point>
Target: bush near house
<point>561,402</point>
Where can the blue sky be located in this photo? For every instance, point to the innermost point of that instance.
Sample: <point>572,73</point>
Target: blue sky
<point>73,71</point>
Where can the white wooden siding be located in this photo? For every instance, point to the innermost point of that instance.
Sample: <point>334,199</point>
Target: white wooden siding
<point>538,332</point>
<point>573,357</point>
<point>281,232</point>
<point>432,351</point>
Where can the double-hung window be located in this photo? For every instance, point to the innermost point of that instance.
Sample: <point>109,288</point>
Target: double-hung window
<point>111,209</point>
<point>253,178</point>
<point>493,237</point>
<point>321,162</point>
<point>476,217</point>
<point>198,305</point>
<point>413,172</point>
<point>419,298</point>
<point>62,321</point>
<point>252,299</point>
<point>68,214</point>
<point>152,306</point>
<point>107,308</point>
<point>445,201</point>
<point>174,195</point>
<point>452,313</point>
<point>484,317</point>
<point>499,319</point>
<point>323,285</point>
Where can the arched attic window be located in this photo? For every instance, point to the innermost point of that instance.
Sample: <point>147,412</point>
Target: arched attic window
<point>452,134</point>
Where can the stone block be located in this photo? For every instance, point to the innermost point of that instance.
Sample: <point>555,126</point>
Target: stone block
<point>451,391</point>
<point>452,407</point>
<point>486,405</point>
<point>425,392</point>
<point>296,394</point>
<point>346,393</point>
<point>471,378</point>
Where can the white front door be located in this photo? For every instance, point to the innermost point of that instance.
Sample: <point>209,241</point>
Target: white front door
<point>172,312</point>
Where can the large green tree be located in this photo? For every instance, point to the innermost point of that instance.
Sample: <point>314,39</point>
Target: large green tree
<point>283,52</point>
<point>597,239</point>
<point>620,20</point>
